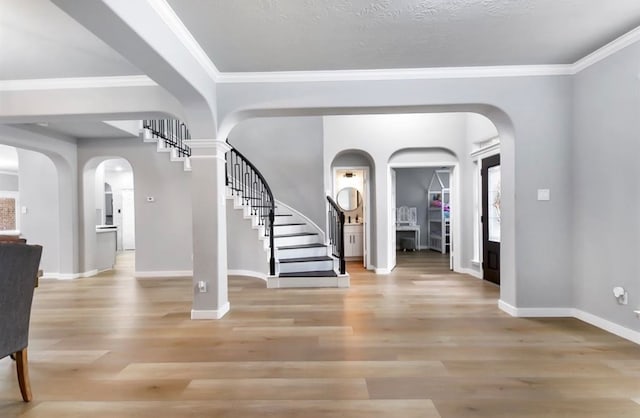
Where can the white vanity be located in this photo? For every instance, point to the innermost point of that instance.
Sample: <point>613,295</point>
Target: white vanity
<point>106,242</point>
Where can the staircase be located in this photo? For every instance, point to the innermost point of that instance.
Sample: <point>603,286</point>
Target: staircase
<point>297,253</point>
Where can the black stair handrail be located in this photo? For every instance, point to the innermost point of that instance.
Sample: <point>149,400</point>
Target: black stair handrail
<point>246,181</point>
<point>172,131</point>
<point>336,232</point>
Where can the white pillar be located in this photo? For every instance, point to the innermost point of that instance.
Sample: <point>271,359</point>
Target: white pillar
<point>209,222</point>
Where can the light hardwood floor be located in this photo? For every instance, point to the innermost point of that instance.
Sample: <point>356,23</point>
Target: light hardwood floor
<point>420,342</point>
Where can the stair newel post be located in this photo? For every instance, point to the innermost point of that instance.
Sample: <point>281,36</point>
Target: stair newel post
<point>272,258</point>
<point>343,266</point>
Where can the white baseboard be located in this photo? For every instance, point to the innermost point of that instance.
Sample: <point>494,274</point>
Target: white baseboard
<point>248,273</point>
<point>472,272</point>
<point>619,330</point>
<point>164,273</point>
<point>535,312</point>
<point>210,313</point>
<point>604,324</point>
<point>382,271</point>
<point>68,276</point>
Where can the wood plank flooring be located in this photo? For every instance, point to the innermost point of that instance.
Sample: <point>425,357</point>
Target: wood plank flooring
<point>420,342</point>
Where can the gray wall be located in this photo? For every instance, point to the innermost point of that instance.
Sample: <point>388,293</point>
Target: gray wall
<point>38,185</point>
<point>163,227</point>
<point>288,153</point>
<point>606,221</point>
<point>246,252</point>
<point>533,117</point>
<point>411,190</point>
<point>9,182</point>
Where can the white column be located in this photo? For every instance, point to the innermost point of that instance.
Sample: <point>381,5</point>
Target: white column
<point>209,221</point>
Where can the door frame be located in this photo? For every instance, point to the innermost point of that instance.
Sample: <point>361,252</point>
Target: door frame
<point>455,199</point>
<point>492,161</point>
<point>366,210</point>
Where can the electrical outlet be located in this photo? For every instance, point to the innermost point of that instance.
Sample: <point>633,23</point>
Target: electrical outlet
<point>202,286</point>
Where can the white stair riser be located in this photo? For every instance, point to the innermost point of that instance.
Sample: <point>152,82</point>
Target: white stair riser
<point>298,240</point>
<point>147,136</point>
<point>302,252</point>
<point>290,229</point>
<point>306,266</point>
<point>299,282</point>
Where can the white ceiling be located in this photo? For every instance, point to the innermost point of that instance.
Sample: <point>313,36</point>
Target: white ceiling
<point>288,35</point>
<point>85,129</point>
<point>38,40</point>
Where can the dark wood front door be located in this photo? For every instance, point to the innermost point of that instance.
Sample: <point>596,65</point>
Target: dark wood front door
<point>491,218</point>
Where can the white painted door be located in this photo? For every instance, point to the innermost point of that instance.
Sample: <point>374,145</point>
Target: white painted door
<point>392,219</point>
<point>128,221</point>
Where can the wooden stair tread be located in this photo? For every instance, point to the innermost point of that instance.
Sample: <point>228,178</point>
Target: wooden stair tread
<point>291,224</point>
<point>305,259</point>
<point>277,214</point>
<point>324,273</point>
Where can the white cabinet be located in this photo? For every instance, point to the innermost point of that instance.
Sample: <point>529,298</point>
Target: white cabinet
<point>353,240</point>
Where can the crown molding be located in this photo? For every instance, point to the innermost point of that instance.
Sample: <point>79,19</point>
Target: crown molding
<point>76,83</point>
<point>175,24</point>
<point>397,74</point>
<point>607,50</point>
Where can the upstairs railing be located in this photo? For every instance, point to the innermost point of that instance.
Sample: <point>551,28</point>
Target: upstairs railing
<point>336,232</point>
<point>245,180</point>
<point>172,131</point>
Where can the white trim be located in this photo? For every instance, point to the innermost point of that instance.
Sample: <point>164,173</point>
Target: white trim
<point>619,330</point>
<point>382,271</point>
<point>247,273</point>
<point>397,74</point>
<point>604,324</point>
<point>471,272</point>
<point>77,83</point>
<point>9,172</point>
<point>210,313</point>
<point>535,312</point>
<point>420,164</point>
<point>484,152</point>
<point>607,50</point>
<point>69,276</point>
<point>319,230</point>
<point>163,274</point>
<point>175,24</point>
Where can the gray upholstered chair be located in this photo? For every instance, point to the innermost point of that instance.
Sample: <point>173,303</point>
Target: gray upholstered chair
<point>18,269</point>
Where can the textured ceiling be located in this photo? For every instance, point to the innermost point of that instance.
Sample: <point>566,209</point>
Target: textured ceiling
<point>38,40</point>
<point>287,35</point>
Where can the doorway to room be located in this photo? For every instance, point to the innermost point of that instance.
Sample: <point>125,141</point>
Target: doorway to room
<point>114,211</point>
<point>351,193</point>
<point>421,210</point>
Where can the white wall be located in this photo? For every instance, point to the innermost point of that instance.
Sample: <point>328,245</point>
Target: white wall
<point>163,227</point>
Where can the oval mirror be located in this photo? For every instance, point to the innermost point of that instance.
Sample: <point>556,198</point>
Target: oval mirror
<point>349,199</point>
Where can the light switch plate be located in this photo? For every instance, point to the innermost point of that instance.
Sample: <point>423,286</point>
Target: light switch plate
<point>544,194</point>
